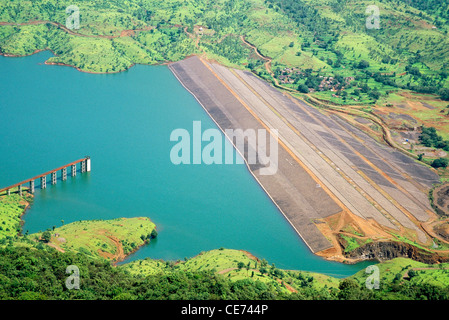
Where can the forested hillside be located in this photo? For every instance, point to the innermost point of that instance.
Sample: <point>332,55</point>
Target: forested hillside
<point>34,267</point>
<point>35,271</point>
<point>321,46</point>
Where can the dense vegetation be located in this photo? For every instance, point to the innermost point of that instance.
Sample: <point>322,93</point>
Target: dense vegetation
<point>404,53</point>
<point>11,210</point>
<point>40,273</point>
<point>30,271</point>
<point>34,267</point>
<point>431,139</point>
<point>323,45</point>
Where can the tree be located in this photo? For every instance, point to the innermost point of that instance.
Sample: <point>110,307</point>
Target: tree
<point>153,233</point>
<point>350,290</point>
<point>374,94</point>
<point>365,88</point>
<point>277,273</point>
<point>46,236</point>
<point>363,64</point>
<point>444,94</point>
<point>347,289</point>
<point>412,273</point>
<point>303,88</point>
<point>413,71</point>
<point>440,163</point>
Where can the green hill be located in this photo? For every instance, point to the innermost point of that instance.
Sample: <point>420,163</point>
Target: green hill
<point>236,265</point>
<point>33,267</point>
<point>308,41</point>
<point>36,271</point>
<point>111,239</point>
<point>402,269</point>
<point>11,209</point>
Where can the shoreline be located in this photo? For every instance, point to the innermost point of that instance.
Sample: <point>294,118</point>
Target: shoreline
<point>125,256</point>
<point>27,203</point>
<point>8,55</point>
<point>27,207</point>
<point>22,221</point>
<point>340,260</point>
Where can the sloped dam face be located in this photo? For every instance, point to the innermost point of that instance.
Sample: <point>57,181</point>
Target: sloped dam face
<point>325,167</point>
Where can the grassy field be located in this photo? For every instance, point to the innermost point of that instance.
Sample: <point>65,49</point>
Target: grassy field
<point>114,239</point>
<point>111,239</point>
<point>226,262</point>
<point>11,209</point>
<point>400,269</point>
<point>236,265</point>
<point>329,37</point>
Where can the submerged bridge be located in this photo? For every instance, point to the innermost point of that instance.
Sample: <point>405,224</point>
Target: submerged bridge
<point>84,167</point>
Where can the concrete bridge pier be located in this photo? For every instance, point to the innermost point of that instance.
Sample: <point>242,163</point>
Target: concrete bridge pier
<point>44,182</point>
<point>87,164</point>
<point>84,167</point>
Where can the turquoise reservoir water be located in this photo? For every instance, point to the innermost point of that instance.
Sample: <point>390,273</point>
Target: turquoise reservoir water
<point>52,115</point>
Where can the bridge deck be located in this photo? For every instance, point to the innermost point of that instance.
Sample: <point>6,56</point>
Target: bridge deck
<point>41,175</point>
